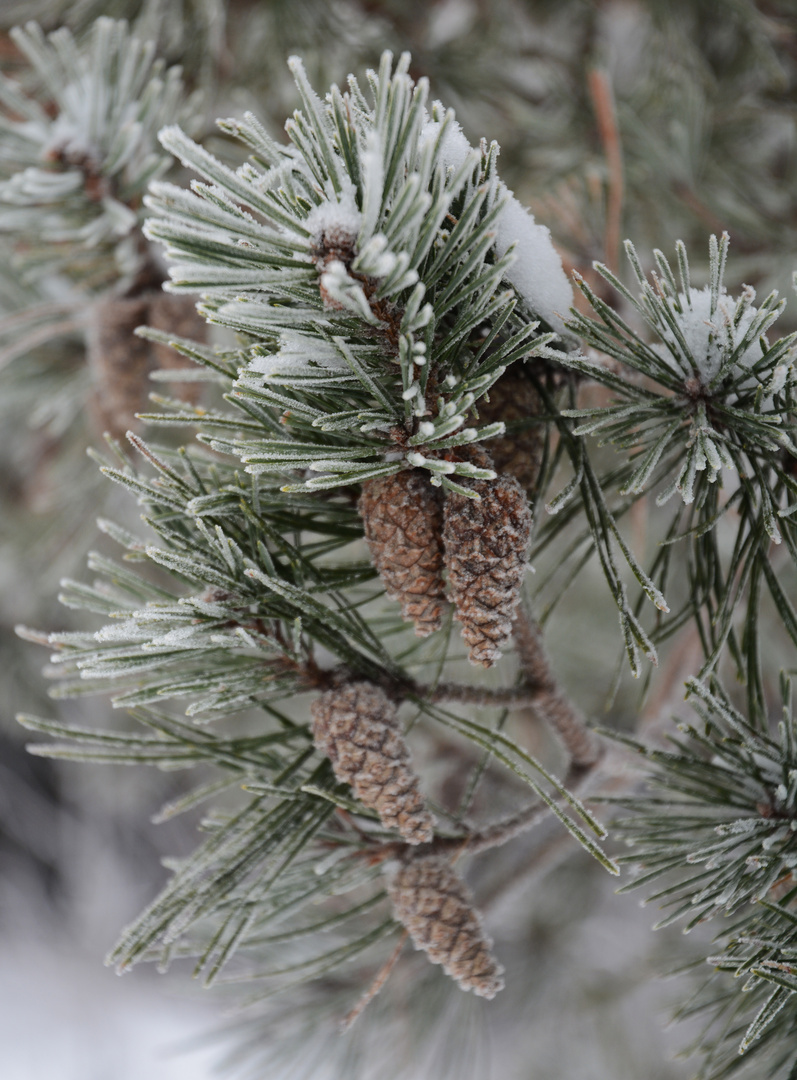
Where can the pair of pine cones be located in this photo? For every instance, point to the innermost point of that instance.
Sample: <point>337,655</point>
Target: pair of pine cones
<point>415,534</point>
<point>358,728</point>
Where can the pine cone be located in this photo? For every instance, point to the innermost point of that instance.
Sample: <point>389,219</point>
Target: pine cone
<point>435,905</point>
<point>120,363</point>
<point>403,520</point>
<point>358,728</point>
<point>513,398</point>
<point>486,541</point>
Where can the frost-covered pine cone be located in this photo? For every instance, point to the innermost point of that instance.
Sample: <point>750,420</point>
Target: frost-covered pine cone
<point>358,728</point>
<point>486,541</point>
<point>121,363</point>
<point>436,907</point>
<point>513,398</point>
<point>403,520</point>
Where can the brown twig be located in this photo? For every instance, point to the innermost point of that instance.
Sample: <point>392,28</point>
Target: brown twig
<point>549,702</point>
<point>379,981</point>
<point>497,833</point>
<point>517,696</point>
<point>603,102</point>
<point>500,832</point>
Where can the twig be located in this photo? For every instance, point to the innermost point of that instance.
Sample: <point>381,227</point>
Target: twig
<point>500,832</point>
<point>614,774</point>
<point>549,702</point>
<point>381,978</point>
<point>603,101</point>
<point>519,696</point>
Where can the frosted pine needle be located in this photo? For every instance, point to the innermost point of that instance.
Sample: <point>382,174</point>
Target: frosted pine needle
<point>436,906</point>
<point>358,728</point>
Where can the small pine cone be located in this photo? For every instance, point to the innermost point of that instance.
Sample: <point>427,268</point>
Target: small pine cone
<point>120,363</point>
<point>358,728</point>
<point>403,519</point>
<point>435,905</point>
<point>486,542</point>
<point>513,399</point>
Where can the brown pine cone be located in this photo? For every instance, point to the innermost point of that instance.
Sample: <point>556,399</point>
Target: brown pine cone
<point>435,905</point>
<point>513,399</point>
<point>403,520</point>
<point>120,363</point>
<point>358,728</point>
<point>486,541</point>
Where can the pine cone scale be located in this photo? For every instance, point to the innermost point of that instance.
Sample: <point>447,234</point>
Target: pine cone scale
<point>514,399</point>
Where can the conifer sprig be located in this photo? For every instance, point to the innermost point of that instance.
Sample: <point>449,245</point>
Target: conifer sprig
<point>722,396</point>
<point>77,157</point>
<point>361,262</point>
<point>704,404</point>
<point>715,834</point>
<point>244,604</point>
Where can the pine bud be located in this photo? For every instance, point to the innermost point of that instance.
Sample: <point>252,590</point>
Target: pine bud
<point>403,519</point>
<point>513,398</point>
<point>486,541</point>
<point>120,363</point>
<point>435,905</point>
<point>358,728</point>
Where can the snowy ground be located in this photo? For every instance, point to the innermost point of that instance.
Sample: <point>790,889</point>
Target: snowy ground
<point>66,1017</point>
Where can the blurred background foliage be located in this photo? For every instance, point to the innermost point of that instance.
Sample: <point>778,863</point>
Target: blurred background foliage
<point>654,119</point>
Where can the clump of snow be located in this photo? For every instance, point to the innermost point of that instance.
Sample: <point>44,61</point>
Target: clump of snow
<point>537,271</point>
<point>712,339</point>
<point>454,146</point>
<point>335,224</point>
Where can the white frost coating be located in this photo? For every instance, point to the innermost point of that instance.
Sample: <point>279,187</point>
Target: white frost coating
<point>299,353</point>
<point>341,219</point>
<point>537,271</point>
<point>711,340</point>
<point>454,149</point>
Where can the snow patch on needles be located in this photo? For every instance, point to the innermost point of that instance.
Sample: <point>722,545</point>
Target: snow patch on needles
<point>537,271</point>
<point>335,219</point>
<point>298,353</point>
<point>713,337</point>
<point>454,146</point>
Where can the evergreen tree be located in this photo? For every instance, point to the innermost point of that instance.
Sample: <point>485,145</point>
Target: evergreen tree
<point>325,621</point>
